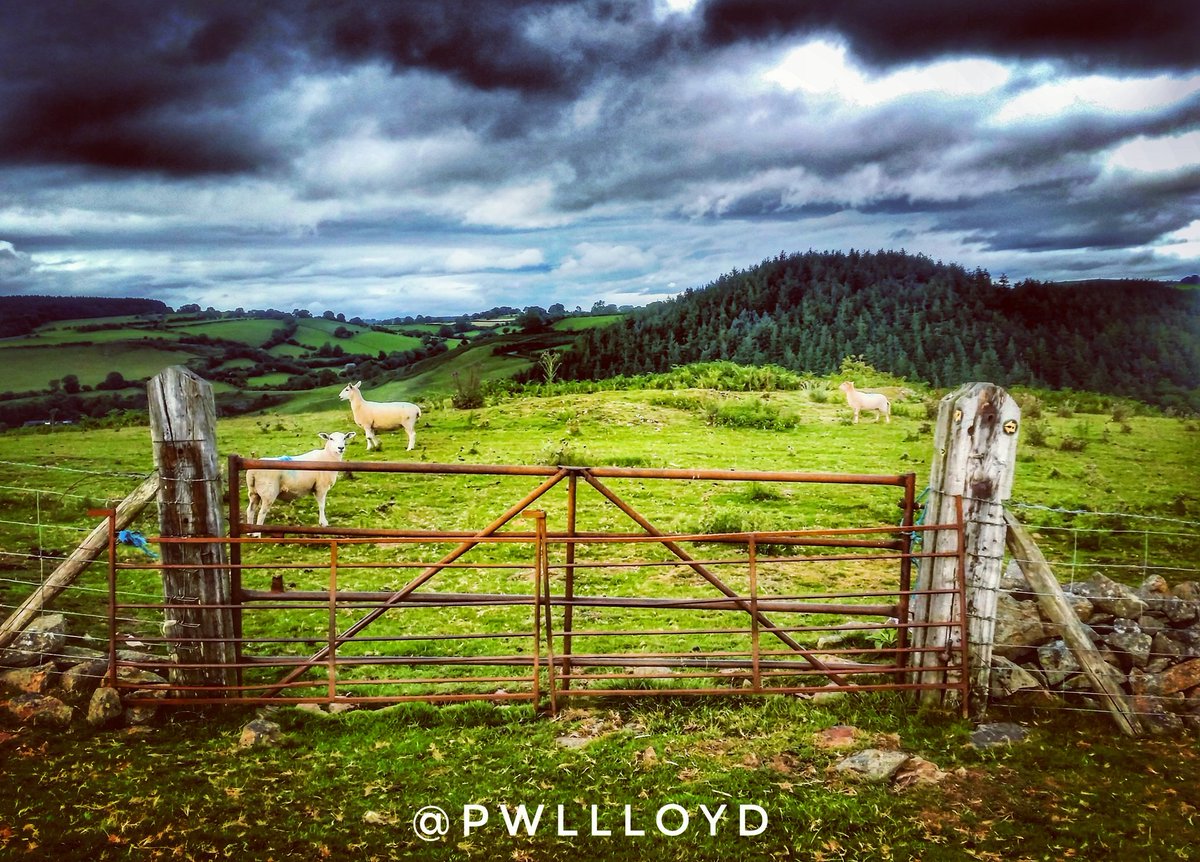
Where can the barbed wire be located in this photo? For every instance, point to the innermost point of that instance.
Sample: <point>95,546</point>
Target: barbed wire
<point>48,492</point>
<point>45,526</point>
<point>76,587</point>
<point>1108,531</point>
<point>106,473</point>
<point>1039,507</point>
<point>70,613</point>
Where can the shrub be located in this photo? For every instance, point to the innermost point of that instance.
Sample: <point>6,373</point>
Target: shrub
<point>752,413</point>
<point>1036,434</point>
<point>758,493</point>
<point>727,521</point>
<point>1031,407</point>
<point>468,391</point>
<point>1072,444</point>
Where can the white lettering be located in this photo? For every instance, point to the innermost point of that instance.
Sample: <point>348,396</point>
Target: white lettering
<point>521,818</point>
<point>712,817</point>
<point>629,830</point>
<point>469,821</point>
<point>762,823</point>
<point>596,830</point>
<point>683,816</point>
<point>563,831</point>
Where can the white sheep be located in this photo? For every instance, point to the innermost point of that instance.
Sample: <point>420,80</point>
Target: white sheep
<point>372,416</point>
<point>267,486</point>
<point>867,401</point>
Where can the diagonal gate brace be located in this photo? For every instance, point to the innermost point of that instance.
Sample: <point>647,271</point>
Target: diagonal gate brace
<point>403,593</point>
<point>704,572</point>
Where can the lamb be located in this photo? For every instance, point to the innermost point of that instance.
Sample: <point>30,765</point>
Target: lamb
<point>867,401</point>
<point>374,416</point>
<point>267,486</point>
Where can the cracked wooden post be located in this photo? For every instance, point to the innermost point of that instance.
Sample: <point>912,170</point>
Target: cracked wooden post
<point>183,427</point>
<point>975,447</point>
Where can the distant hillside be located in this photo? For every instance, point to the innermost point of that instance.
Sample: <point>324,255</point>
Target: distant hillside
<point>925,320</point>
<point>22,314</point>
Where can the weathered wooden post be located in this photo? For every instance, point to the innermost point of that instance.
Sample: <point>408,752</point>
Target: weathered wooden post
<point>975,446</point>
<point>196,581</point>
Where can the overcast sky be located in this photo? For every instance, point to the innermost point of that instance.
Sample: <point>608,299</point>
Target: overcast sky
<point>433,157</point>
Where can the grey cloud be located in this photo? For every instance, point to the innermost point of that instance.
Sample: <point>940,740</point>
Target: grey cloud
<point>1084,33</point>
<point>135,85</point>
<point>14,265</point>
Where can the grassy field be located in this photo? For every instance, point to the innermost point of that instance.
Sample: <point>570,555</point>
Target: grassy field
<point>34,368</point>
<point>317,331</point>
<point>250,331</point>
<point>349,786</point>
<point>578,324</point>
<point>52,337</point>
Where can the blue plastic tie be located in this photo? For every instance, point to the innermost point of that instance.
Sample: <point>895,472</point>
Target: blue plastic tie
<point>137,540</point>
<point>918,536</point>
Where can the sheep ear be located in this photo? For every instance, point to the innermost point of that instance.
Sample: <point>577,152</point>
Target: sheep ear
<point>323,435</point>
<point>351,435</point>
<point>358,384</point>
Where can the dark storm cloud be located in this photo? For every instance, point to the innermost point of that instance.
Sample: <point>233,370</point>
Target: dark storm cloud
<point>1053,216</point>
<point>171,87</point>
<point>1088,33</point>
<point>535,46</point>
<point>132,85</point>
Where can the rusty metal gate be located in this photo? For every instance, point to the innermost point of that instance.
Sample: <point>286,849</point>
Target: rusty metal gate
<point>538,605</point>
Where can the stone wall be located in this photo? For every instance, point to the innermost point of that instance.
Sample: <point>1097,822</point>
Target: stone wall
<point>44,681</point>
<point>1149,638</point>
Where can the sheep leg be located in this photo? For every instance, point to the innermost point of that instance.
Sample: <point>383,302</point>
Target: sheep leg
<point>412,435</point>
<point>256,511</point>
<point>264,503</point>
<point>320,495</point>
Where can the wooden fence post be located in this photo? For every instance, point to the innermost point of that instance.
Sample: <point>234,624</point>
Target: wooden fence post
<point>974,458</point>
<point>183,422</point>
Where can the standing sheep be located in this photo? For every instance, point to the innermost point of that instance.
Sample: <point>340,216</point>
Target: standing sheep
<point>867,401</point>
<point>267,486</point>
<point>374,416</point>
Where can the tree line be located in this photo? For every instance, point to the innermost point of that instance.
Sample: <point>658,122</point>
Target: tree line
<point>20,315</point>
<point>917,318</point>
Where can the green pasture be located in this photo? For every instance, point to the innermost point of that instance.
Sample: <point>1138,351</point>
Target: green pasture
<point>313,332</point>
<point>349,786</point>
<point>34,368</point>
<point>276,378</point>
<point>249,330</point>
<point>48,336</point>
<point>577,324</point>
<point>1084,505</point>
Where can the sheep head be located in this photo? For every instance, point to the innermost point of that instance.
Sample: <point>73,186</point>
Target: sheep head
<point>337,440</point>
